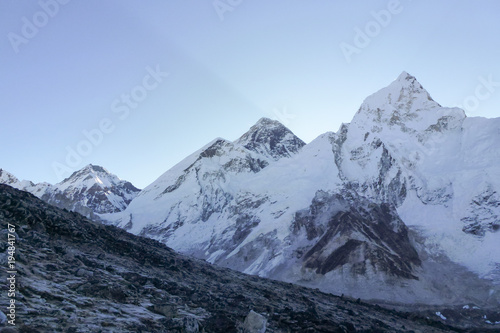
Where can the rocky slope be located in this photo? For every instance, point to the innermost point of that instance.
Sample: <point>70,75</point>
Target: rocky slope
<point>401,204</point>
<point>74,275</point>
<point>90,191</point>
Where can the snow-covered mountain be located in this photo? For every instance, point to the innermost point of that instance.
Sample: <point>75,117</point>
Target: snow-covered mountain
<point>202,184</point>
<point>271,139</point>
<point>440,168</point>
<point>89,191</point>
<point>37,189</point>
<point>401,204</point>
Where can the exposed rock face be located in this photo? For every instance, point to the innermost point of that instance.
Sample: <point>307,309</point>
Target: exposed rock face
<point>74,275</point>
<point>483,213</point>
<point>359,239</point>
<point>271,139</point>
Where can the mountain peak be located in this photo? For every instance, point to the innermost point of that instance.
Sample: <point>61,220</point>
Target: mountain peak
<point>94,168</point>
<point>404,102</point>
<point>99,190</point>
<point>405,76</point>
<point>409,84</point>
<point>86,171</point>
<point>88,176</point>
<point>271,139</point>
<point>264,121</point>
<point>405,94</point>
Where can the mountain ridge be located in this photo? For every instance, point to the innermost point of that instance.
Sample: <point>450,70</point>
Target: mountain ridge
<point>414,184</point>
<point>90,191</point>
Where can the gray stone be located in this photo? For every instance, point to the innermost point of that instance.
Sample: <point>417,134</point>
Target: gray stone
<point>254,323</point>
<point>168,310</point>
<point>81,272</point>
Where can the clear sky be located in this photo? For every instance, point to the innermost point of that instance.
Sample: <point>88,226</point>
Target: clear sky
<point>150,82</point>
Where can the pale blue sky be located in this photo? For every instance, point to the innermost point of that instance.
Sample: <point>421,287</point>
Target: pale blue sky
<point>278,59</point>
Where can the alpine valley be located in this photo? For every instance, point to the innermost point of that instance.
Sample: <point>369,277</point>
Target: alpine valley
<point>402,205</point>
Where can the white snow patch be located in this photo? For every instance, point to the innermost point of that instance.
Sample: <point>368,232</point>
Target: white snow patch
<point>440,315</point>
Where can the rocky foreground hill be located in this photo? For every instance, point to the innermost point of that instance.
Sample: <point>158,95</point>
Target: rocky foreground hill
<point>75,275</point>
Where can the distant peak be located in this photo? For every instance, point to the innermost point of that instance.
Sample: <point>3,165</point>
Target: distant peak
<point>271,139</point>
<point>88,170</point>
<point>405,79</point>
<point>265,120</point>
<point>405,94</point>
<point>405,76</point>
<point>267,123</point>
<point>409,82</point>
<point>403,104</point>
<point>95,168</point>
